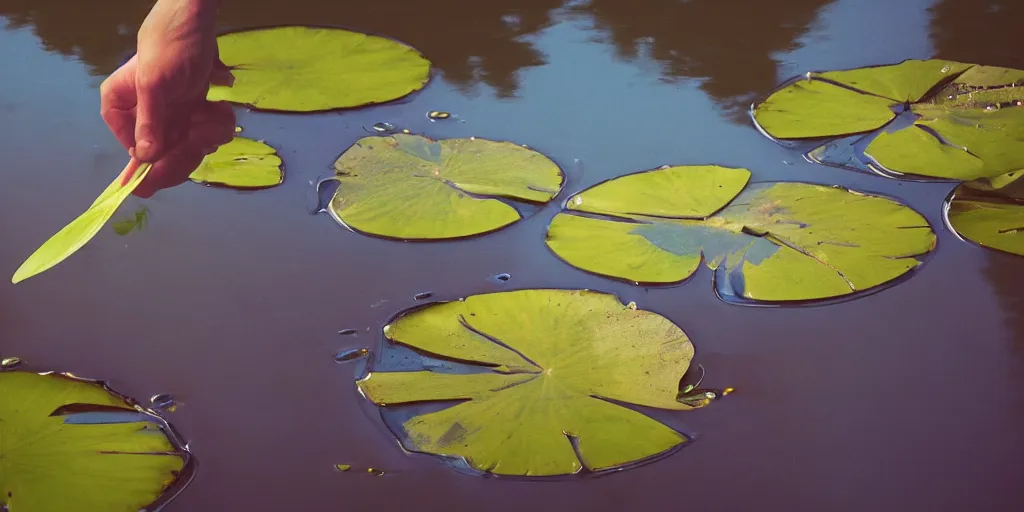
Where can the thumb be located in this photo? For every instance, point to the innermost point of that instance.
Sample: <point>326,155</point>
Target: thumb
<point>150,123</point>
<point>221,74</point>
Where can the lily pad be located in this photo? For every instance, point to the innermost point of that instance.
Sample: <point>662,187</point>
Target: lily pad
<point>934,118</point>
<point>541,379</point>
<point>410,187</point>
<point>77,233</point>
<point>71,444</point>
<point>990,212</point>
<point>776,242</point>
<point>308,69</point>
<point>243,164</point>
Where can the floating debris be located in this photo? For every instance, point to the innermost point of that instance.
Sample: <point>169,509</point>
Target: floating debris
<point>350,354</point>
<point>374,472</point>
<point>347,332</point>
<point>406,131</point>
<point>342,467</point>
<point>424,295</point>
<point>238,129</point>
<point>9,363</point>
<point>162,401</point>
<point>631,305</point>
<point>434,115</point>
<point>384,127</point>
<point>503,277</point>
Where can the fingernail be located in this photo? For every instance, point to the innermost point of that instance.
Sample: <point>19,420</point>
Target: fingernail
<point>144,146</point>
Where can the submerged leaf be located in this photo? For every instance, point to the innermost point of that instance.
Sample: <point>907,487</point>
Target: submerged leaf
<point>76,234</point>
<point>414,188</point>
<point>966,121</point>
<point>773,242</point>
<point>70,444</point>
<point>991,212</point>
<point>549,367</point>
<point>242,163</point>
<point>306,69</point>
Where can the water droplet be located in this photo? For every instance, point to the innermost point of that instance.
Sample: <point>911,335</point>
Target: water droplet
<point>578,200</point>
<point>350,354</point>
<point>162,401</point>
<point>342,467</point>
<point>666,166</point>
<point>238,129</point>
<point>437,114</point>
<point>945,69</point>
<point>374,472</point>
<point>347,332</point>
<point>710,395</point>
<point>472,138</point>
<point>9,363</point>
<point>503,277</point>
<point>631,305</point>
<point>406,131</point>
<point>384,127</point>
<point>423,295</point>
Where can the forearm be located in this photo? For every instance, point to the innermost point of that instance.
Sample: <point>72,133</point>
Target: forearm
<point>199,13</point>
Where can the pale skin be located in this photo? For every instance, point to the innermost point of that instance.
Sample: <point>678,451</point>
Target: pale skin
<point>155,104</point>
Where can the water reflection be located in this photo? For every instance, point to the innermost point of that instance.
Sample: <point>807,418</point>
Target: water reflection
<point>979,30</point>
<point>1005,274</point>
<point>726,44</point>
<point>469,42</point>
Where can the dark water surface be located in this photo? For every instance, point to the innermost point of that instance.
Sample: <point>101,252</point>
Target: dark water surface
<point>910,399</point>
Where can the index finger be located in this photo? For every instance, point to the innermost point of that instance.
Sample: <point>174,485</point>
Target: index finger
<point>118,100</point>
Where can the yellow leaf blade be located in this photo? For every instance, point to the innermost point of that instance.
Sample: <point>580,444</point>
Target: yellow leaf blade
<point>78,232</point>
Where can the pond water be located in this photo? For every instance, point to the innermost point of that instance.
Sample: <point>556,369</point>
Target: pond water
<point>908,399</point>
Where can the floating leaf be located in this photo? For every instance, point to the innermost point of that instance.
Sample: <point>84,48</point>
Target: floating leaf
<point>242,163</point>
<point>138,221</point>
<point>765,241</point>
<point>414,188</point>
<point>963,121</point>
<point>71,444</point>
<point>76,234</point>
<point>306,69</point>
<point>990,212</point>
<point>546,368</point>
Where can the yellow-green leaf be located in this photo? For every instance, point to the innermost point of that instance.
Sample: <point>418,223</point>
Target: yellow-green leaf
<point>812,108</point>
<point>549,366</point>
<point>71,444</point>
<point>76,234</point>
<point>411,187</point>
<point>907,81</point>
<point>959,121</point>
<point>242,163</point>
<point>774,242</point>
<point>991,212</point>
<point>306,69</point>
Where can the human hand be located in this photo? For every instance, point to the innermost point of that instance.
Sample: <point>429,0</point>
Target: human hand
<point>155,104</point>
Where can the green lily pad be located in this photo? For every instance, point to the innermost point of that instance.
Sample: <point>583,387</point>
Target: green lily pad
<point>83,228</point>
<point>990,212</point>
<point>536,375</point>
<point>934,118</point>
<point>71,444</point>
<point>410,187</point>
<point>243,164</point>
<point>775,242</point>
<point>308,69</point>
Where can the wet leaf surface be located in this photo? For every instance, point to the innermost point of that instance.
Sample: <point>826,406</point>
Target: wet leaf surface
<point>544,374</point>
<point>306,69</point>
<point>71,444</point>
<point>243,164</point>
<point>414,188</point>
<point>967,121</point>
<point>78,232</point>
<point>990,212</point>
<point>774,242</point>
